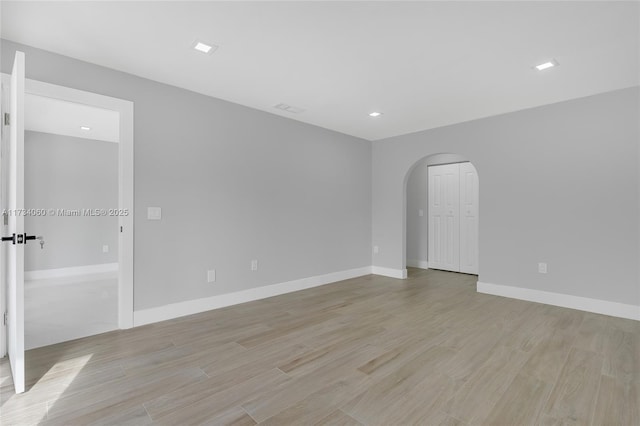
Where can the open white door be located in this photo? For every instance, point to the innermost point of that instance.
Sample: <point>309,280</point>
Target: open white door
<point>14,205</point>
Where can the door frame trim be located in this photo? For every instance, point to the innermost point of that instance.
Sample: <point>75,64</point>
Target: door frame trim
<point>125,109</point>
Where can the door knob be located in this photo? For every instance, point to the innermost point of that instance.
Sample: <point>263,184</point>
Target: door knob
<point>11,238</point>
<point>23,238</point>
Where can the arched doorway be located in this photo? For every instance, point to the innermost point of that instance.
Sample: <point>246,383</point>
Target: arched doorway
<point>438,233</point>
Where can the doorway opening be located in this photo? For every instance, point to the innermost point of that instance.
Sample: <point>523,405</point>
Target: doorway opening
<point>441,216</point>
<point>78,191</point>
<point>71,186</point>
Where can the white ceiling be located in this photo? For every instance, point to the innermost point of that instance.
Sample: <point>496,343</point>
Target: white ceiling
<point>58,117</point>
<point>423,64</point>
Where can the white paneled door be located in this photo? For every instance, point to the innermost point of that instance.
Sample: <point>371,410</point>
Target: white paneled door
<point>444,217</point>
<point>468,219</point>
<point>15,203</point>
<point>453,218</point>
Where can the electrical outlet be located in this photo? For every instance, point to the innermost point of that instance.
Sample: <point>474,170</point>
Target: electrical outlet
<point>254,265</point>
<point>211,275</point>
<point>105,248</point>
<point>542,268</point>
<point>376,250</point>
<point>154,213</point>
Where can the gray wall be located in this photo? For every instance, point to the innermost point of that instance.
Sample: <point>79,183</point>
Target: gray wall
<point>63,172</point>
<point>417,226</point>
<point>558,184</point>
<point>234,184</point>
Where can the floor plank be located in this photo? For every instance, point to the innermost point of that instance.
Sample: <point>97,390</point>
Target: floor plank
<point>573,397</point>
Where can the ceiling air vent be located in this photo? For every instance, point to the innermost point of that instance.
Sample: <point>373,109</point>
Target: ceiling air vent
<point>289,108</point>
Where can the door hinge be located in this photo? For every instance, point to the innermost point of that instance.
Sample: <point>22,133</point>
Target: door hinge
<point>7,119</point>
<point>5,318</point>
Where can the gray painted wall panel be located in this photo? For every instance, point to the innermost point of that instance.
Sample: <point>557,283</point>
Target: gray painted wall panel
<point>558,184</point>
<point>63,172</point>
<point>234,184</point>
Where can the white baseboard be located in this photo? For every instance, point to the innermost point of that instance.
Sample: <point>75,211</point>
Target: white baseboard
<point>422,264</point>
<point>71,271</point>
<point>389,272</point>
<point>189,307</point>
<point>597,306</point>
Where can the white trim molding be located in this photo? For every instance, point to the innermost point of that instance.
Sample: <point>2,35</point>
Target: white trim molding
<point>389,272</point>
<point>44,274</point>
<point>597,306</point>
<point>189,307</point>
<point>125,180</point>
<point>422,264</point>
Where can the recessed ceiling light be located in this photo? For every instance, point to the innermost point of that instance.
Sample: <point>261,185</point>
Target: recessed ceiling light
<point>375,114</point>
<point>546,65</point>
<point>204,47</point>
<point>85,128</point>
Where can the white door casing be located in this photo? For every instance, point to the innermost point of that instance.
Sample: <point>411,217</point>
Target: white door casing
<point>125,181</point>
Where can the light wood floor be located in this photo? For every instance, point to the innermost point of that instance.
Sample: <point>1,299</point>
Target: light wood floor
<point>371,351</point>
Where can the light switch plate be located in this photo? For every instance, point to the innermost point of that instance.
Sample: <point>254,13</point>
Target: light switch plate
<point>211,275</point>
<point>154,213</point>
<point>542,267</point>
